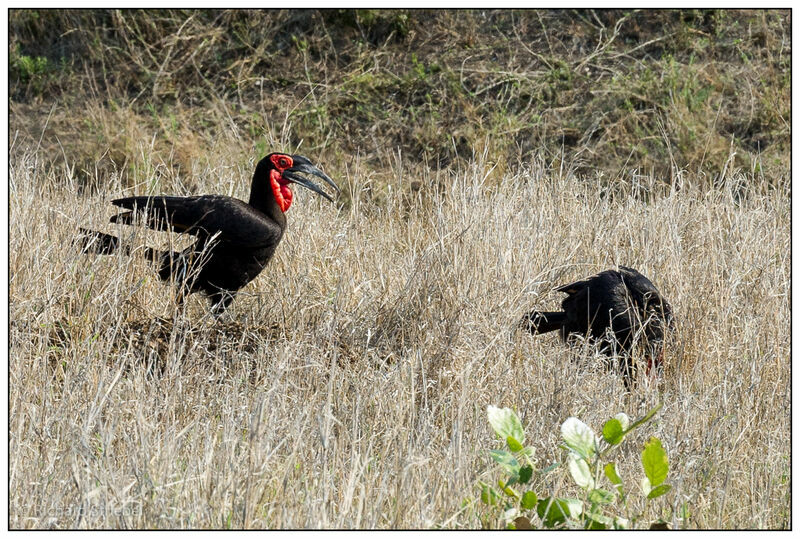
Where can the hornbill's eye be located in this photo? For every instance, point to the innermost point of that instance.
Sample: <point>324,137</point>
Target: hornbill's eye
<point>284,162</point>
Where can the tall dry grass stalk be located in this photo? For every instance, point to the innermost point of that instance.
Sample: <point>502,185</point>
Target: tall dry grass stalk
<point>348,386</point>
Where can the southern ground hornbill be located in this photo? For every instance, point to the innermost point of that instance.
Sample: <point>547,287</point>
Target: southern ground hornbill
<point>235,239</point>
<point>618,310</point>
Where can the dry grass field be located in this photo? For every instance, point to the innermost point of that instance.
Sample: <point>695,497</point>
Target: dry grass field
<point>485,158</point>
<point>348,386</point>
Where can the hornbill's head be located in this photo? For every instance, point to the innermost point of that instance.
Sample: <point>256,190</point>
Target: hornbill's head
<point>658,322</point>
<point>284,169</point>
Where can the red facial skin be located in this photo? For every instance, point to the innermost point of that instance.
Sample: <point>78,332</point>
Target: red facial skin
<point>280,186</point>
<point>654,364</point>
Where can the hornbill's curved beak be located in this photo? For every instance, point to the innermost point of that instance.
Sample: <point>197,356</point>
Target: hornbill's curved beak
<point>302,164</point>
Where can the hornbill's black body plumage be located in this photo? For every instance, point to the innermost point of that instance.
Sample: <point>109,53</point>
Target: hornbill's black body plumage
<point>235,239</point>
<point>618,309</point>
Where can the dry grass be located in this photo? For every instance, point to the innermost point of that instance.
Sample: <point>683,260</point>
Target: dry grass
<point>349,385</point>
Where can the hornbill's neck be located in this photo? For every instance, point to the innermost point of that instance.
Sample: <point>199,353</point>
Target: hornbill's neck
<point>262,197</point>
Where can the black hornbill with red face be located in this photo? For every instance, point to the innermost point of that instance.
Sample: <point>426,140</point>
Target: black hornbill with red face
<point>235,239</point>
<point>617,309</point>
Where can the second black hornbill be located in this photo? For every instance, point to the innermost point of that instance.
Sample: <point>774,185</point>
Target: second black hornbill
<point>617,309</point>
<point>235,239</point>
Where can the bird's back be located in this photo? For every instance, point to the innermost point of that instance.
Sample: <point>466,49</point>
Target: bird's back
<point>623,301</point>
<point>229,219</point>
<point>234,240</point>
<point>591,304</point>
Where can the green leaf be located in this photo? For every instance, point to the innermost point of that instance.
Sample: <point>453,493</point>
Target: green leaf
<point>506,460</point>
<point>554,511</point>
<point>646,486</point>
<point>598,521</point>
<point>528,500</point>
<point>488,495</point>
<point>621,523</point>
<point>525,474</point>
<point>660,490</point>
<point>601,496</point>
<point>592,524</point>
<point>551,468</point>
<point>513,444</point>
<point>579,469</point>
<point>579,437</point>
<point>510,513</point>
<point>506,487</point>
<point>505,423</point>
<point>611,472</point>
<point>612,431</point>
<point>654,462</point>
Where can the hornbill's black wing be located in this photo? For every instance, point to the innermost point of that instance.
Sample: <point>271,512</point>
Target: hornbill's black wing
<point>228,219</point>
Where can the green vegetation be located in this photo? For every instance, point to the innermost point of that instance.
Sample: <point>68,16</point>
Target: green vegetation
<point>598,508</point>
<point>610,91</point>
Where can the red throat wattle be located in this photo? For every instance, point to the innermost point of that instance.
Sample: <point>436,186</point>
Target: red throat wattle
<point>280,189</point>
<point>655,363</point>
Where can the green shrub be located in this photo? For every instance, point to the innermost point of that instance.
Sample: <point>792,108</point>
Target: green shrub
<point>602,502</point>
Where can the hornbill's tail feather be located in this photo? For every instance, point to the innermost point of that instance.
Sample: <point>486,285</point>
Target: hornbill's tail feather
<point>543,322</point>
<point>99,243</point>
